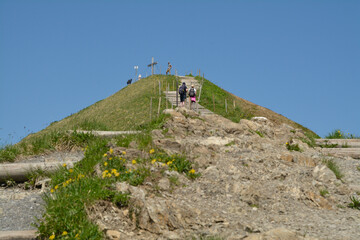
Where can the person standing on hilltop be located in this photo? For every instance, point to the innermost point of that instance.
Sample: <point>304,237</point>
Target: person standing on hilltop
<point>192,95</point>
<point>182,92</point>
<point>168,69</point>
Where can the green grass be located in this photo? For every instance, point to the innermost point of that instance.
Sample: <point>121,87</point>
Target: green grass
<point>324,192</point>
<point>54,140</point>
<point>334,168</point>
<point>338,134</point>
<point>127,109</point>
<point>210,90</point>
<point>243,109</point>
<point>355,203</point>
<point>293,147</point>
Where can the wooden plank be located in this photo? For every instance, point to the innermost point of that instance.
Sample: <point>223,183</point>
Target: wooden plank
<point>19,171</point>
<point>18,235</point>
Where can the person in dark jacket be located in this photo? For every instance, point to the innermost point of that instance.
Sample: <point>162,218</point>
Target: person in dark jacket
<point>182,92</point>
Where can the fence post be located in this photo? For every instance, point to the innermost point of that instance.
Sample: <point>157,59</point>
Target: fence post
<point>150,108</point>
<point>225,105</point>
<point>158,113</point>
<point>234,104</point>
<point>214,102</point>
<point>167,95</point>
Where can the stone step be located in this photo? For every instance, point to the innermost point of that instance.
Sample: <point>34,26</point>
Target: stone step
<point>347,143</point>
<point>342,152</point>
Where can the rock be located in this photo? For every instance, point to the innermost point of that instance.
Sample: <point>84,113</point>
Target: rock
<point>287,157</point>
<point>318,200</point>
<point>305,161</point>
<point>323,174</point>
<point>164,184</point>
<point>113,235</point>
<point>277,234</point>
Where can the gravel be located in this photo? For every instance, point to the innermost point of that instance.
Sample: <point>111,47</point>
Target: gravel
<point>19,207</point>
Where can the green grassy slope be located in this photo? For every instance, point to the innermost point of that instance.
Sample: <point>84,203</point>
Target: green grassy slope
<point>213,98</point>
<point>129,109</point>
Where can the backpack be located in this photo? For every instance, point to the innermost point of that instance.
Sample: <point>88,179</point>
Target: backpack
<point>181,90</point>
<point>192,92</point>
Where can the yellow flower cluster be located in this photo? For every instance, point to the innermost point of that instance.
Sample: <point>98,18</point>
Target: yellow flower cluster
<point>111,151</point>
<point>67,182</point>
<point>192,171</point>
<point>133,162</point>
<point>153,161</point>
<point>107,174</point>
<point>151,151</point>
<point>123,152</point>
<point>170,162</point>
<point>52,236</point>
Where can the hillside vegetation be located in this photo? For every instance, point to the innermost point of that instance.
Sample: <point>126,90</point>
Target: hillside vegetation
<point>133,108</point>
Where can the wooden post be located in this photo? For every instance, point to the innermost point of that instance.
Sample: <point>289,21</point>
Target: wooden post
<point>158,113</point>
<point>167,95</point>
<point>177,92</point>
<point>234,104</point>
<point>225,105</point>
<point>154,88</point>
<point>214,102</point>
<point>150,108</point>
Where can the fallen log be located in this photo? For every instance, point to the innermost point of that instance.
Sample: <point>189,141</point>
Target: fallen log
<point>19,172</point>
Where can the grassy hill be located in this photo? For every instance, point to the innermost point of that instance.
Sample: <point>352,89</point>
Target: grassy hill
<point>135,107</point>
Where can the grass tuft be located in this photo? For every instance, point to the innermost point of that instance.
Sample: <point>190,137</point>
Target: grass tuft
<point>334,168</point>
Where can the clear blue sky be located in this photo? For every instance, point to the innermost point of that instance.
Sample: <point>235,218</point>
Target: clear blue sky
<point>298,58</point>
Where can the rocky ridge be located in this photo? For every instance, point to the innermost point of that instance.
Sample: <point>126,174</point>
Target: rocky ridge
<point>251,186</point>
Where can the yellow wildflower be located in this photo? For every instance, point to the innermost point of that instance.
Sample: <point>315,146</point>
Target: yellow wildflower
<point>117,174</point>
<point>134,161</point>
<point>192,171</point>
<point>287,143</point>
<point>113,171</point>
<point>64,184</point>
<point>105,164</point>
<point>168,163</point>
<point>77,235</point>
<point>163,164</point>
<point>105,154</point>
<point>111,151</point>
<point>110,158</point>
<point>64,233</point>
<point>56,187</point>
<point>52,190</point>
<point>64,165</point>
<point>52,237</point>
<point>108,175</point>
<point>71,170</point>
<point>153,161</point>
<point>123,152</point>
<point>151,151</point>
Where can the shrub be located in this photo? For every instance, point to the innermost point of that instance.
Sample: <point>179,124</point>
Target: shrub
<point>293,147</point>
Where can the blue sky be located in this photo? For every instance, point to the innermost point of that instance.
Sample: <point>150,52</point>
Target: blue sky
<point>298,58</point>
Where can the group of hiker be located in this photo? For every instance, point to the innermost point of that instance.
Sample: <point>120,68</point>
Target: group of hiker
<point>183,89</point>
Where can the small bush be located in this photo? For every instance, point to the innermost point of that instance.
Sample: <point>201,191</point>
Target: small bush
<point>338,134</point>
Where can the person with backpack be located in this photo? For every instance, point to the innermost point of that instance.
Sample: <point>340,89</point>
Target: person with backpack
<point>182,92</point>
<point>192,95</point>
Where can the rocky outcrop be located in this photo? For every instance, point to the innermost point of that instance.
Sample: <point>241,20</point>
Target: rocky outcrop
<point>251,186</point>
